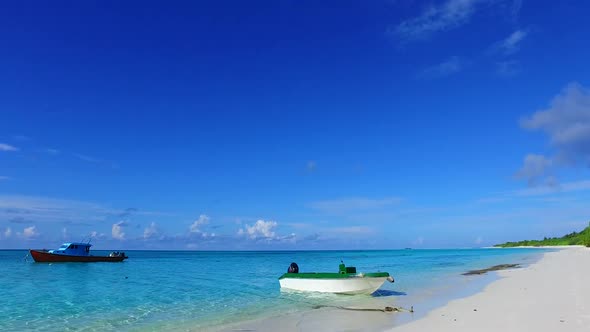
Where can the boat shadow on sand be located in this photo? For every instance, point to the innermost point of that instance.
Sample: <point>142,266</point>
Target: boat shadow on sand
<point>386,292</point>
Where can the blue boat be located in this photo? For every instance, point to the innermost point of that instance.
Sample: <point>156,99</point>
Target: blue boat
<point>74,252</point>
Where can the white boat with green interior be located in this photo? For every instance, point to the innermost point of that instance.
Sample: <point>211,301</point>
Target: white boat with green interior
<point>345,281</point>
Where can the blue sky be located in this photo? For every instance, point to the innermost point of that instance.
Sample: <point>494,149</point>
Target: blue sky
<point>293,124</point>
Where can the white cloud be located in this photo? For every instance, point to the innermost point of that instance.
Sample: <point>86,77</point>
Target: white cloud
<point>196,225</point>
<point>567,120</point>
<point>512,43</point>
<point>151,231</point>
<point>557,188</point>
<point>53,210</point>
<point>261,229</point>
<point>117,230</point>
<point>567,124</point>
<point>448,67</point>
<point>450,14</point>
<point>97,235</point>
<point>506,47</point>
<point>446,16</point>
<point>30,232</point>
<point>8,232</point>
<point>288,238</point>
<point>50,209</point>
<point>535,166</point>
<point>552,192</point>
<point>7,147</point>
<point>94,160</point>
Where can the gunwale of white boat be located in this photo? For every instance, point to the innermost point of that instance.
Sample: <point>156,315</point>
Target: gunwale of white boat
<point>346,281</point>
<point>352,285</point>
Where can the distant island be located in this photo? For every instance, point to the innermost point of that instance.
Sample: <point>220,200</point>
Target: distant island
<point>574,238</point>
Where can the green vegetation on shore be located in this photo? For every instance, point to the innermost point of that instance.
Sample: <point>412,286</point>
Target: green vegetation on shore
<point>574,238</point>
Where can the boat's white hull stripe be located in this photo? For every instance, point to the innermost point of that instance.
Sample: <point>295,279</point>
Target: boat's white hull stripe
<point>340,286</point>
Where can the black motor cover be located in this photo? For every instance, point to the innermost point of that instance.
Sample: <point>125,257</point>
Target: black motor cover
<point>293,268</point>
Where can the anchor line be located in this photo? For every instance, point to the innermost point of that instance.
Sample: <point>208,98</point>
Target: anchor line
<point>386,309</point>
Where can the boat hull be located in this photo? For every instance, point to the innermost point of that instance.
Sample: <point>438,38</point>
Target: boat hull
<point>47,257</point>
<point>352,285</point>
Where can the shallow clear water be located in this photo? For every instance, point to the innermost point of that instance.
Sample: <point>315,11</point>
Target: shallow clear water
<point>168,290</point>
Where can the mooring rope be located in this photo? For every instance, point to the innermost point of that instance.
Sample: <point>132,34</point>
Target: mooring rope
<point>386,309</point>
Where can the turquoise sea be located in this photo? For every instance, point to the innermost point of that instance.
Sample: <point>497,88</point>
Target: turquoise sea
<point>194,290</point>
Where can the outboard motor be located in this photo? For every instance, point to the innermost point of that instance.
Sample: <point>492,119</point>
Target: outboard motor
<point>293,268</point>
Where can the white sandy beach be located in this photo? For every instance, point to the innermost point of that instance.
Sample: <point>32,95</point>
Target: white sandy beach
<point>550,295</point>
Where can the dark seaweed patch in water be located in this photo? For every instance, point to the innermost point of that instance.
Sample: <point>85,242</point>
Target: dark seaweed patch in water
<point>493,268</point>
